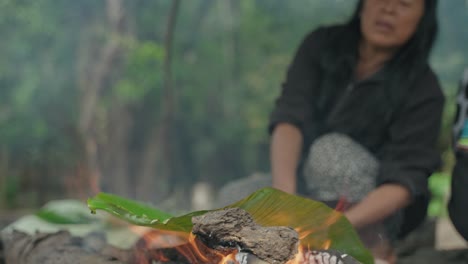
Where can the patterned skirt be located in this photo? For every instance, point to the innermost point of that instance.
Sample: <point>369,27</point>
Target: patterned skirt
<point>337,170</point>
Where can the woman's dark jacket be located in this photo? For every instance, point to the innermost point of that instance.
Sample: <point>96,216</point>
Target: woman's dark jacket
<point>402,136</point>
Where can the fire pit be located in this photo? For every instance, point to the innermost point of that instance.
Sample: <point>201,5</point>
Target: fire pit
<point>263,228</point>
<point>222,237</point>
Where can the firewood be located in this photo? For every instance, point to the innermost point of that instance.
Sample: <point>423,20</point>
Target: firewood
<point>235,228</point>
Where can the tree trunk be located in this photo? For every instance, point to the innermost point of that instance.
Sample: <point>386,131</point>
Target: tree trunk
<point>154,181</point>
<point>94,75</point>
<point>115,150</point>
<point>4,171</point>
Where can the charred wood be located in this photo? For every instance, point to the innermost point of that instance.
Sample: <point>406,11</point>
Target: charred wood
<point>235,229</point>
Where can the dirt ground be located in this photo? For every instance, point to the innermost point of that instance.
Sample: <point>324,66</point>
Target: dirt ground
<point>436,242</point>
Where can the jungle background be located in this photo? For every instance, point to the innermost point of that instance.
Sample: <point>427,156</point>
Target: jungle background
<point>145,98</point>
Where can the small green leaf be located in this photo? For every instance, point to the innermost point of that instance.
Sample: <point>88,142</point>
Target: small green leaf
<point>65,212</point>
<point>318,225</point>
<point>56,218</point>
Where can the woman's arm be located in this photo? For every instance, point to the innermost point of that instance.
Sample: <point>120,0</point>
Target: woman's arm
<point>286,145</point>
<point>378,205</point>
<point>408,157</point>
<point>292,115</point>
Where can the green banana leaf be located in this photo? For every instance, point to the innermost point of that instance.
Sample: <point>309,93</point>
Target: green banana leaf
<point>318,225</point>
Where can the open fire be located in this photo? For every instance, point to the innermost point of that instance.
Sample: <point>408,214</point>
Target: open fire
<point>223,236</point>
<point>232,237</point>
<point>196,252</point>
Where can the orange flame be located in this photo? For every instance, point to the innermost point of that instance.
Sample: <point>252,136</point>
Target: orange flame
<point>304,251</point>
<point>228,259</point>
<point>299,258</point>
<point>326,244</point>
<point>187,245</point>
<point>194,251</point>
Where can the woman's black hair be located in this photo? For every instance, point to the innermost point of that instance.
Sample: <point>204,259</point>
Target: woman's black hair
<point>340,58</point>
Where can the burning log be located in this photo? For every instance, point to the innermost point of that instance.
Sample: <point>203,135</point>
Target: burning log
<point>231,236</point>
<point>235,228</point>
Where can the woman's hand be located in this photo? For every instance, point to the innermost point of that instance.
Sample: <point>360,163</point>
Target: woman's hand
<point>286,144</point>
<point>378,205</point>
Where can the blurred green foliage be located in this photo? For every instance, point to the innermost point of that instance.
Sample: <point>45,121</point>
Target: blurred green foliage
<point>439,184</point>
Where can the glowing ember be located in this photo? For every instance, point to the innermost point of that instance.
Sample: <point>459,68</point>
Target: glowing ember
<point>299,258</point>
<point>229,259</point>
